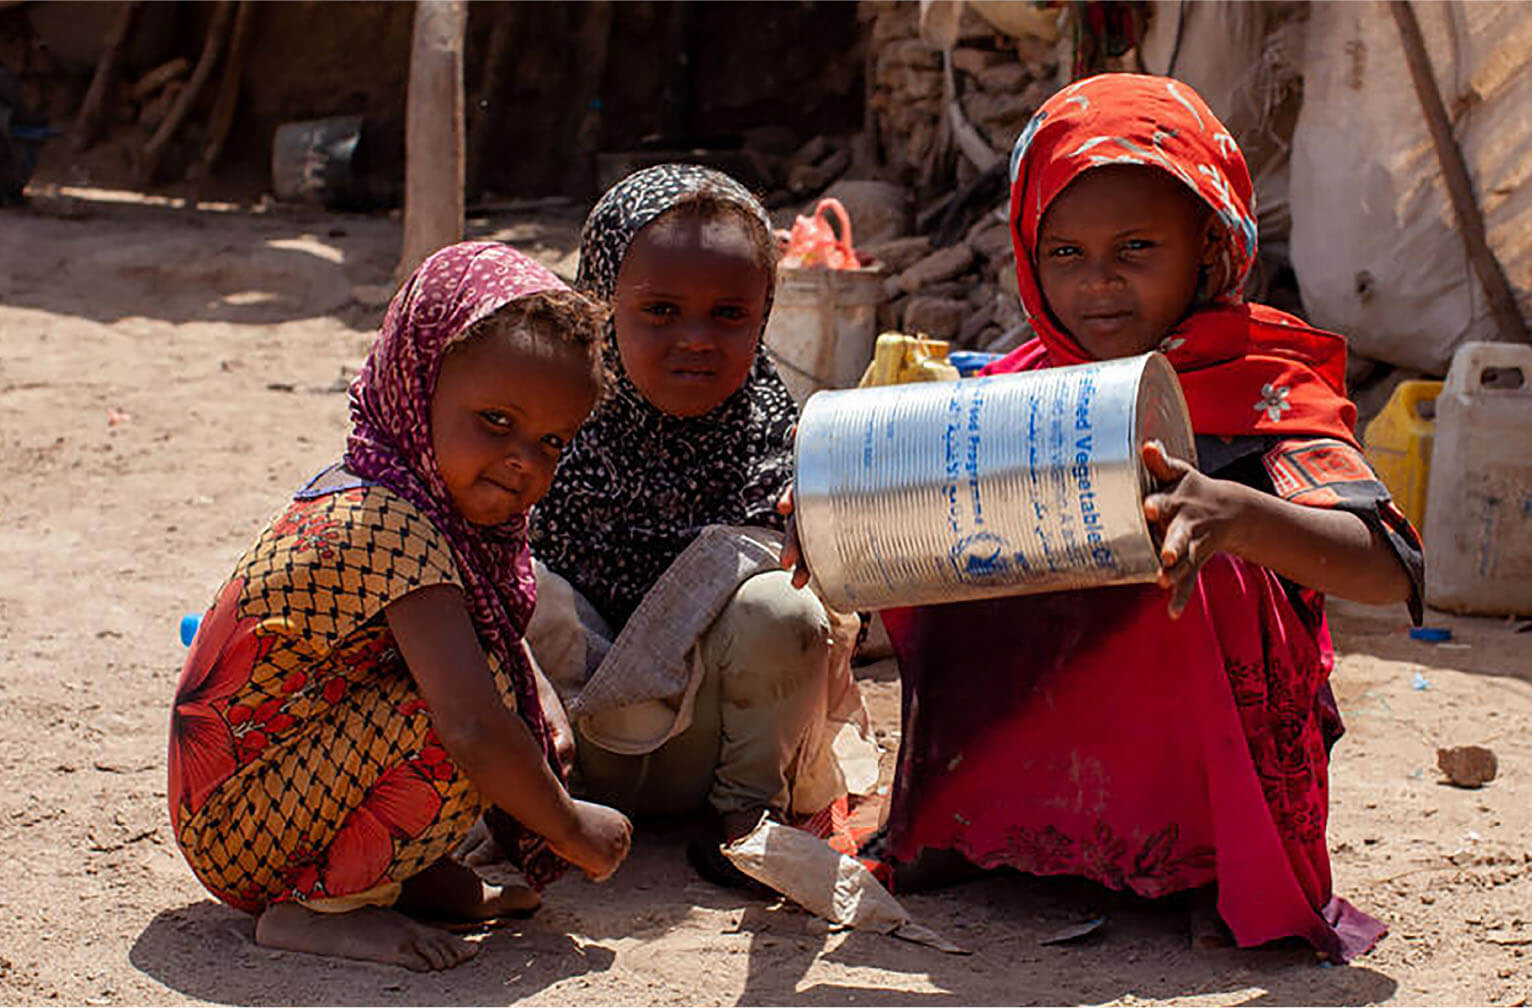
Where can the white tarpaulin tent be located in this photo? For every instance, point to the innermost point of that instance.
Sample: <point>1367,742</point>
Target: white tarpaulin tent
<point>1354,192</point>
<point>1374,242</point>
<point>1243,59</point>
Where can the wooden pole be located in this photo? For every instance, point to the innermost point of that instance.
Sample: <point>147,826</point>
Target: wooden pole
<point>584,135</point>
<point>88,121</point>
<point>217,31</point>
<point>222,118</point>
<point>676,98</point>
<point>491,87</point>
<point>1470,220</point>
<point>433,133</point>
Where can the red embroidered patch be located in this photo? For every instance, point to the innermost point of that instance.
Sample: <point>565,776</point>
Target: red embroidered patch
<point>1304,471</point>
<point>1317,497</point>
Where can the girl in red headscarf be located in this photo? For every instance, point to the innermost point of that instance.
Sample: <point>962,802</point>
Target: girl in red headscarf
<point>1151,743</point>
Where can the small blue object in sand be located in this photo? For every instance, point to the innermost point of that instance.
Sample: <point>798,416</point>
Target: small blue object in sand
<point>1430,634</point>
<point>1421,682</point>
<point>189,624</point>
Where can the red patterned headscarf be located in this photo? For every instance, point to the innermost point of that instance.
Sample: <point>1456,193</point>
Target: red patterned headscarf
<point>1246,368</point>
<point>390,444</point>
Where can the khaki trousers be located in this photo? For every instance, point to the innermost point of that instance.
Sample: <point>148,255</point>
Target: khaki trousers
<point>766,661</point>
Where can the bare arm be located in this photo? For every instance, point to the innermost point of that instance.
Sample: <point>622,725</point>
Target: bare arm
<point>555,715</point>
<point>490,742</point>
<point>1328,550</point>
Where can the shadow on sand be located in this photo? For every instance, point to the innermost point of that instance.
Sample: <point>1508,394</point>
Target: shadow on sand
<point>1142,952</point>
<point>220,263</point>
<point>206,951</point>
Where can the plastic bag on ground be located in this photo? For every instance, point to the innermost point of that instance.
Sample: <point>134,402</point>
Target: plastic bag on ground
<point>827,883</point>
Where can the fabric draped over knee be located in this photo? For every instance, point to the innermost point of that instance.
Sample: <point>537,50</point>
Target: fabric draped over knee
<point>770,661</point>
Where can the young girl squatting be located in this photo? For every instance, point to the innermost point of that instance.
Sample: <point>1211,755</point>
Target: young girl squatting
<point>360,690</point>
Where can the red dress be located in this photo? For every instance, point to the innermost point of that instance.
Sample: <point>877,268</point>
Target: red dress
<point>1086,733</point>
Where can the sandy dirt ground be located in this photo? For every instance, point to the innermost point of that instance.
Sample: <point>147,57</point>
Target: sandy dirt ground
<point>168,376</point>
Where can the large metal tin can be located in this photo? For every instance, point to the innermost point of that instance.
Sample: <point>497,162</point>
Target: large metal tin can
<point>1004,485</point>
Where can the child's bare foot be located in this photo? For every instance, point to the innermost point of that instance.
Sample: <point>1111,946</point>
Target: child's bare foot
<point>736,825</point>
<point>934,868</point>
<point>478,848</point>
<point>704,853</point>
<point>451,891</point>
<point>1205,928</point>
<point>371,933</point>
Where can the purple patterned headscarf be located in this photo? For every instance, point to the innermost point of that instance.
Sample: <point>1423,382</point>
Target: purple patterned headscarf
<point>390,444</point>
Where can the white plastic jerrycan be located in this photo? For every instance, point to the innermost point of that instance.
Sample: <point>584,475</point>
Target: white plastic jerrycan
<point>1479,506</point>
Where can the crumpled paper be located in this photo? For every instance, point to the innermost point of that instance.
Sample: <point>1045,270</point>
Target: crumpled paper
<point>827,883</point>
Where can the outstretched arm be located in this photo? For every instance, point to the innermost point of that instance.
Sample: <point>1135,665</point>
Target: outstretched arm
<point>490,742</point>
<point>1328,550</point>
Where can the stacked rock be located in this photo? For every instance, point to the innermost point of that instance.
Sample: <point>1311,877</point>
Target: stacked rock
<point>964,292</point>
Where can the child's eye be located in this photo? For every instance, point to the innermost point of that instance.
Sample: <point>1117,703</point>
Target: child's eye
<point>660,310</point>
<point>730,313</point>
<point>1063,251</point>
<point>553,443</point>
<point>496,419</point>
<point>1137,245</point>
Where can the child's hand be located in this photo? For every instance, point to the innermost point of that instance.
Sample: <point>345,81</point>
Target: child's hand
<point>1196,516</point>
<point>599,841</point>
<point>792,550</point>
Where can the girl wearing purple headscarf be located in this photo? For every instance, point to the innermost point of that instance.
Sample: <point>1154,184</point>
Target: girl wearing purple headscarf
<point>359,691</point>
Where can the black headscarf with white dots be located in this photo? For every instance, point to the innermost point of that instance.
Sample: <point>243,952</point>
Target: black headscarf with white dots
<point>637,485</point>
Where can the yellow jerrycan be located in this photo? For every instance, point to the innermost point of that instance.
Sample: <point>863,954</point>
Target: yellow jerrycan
<point>1479,520</point>
<point>1398,444</point>
<point>899,358</point>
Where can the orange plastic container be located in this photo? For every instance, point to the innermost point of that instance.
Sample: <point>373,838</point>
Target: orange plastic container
<point>1398,444</point>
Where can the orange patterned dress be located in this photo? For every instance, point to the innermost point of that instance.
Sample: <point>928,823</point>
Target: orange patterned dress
<point>303,764</point>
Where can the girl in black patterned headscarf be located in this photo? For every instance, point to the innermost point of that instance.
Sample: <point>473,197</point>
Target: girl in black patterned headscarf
<point>684,439</point>
<point>694,432</point>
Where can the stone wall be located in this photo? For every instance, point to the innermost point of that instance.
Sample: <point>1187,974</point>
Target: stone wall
<point>955,278</point>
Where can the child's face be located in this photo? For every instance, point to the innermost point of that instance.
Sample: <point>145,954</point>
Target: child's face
<point>689,303</point>
<point>1118,256</point>
<point>504,408</point>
